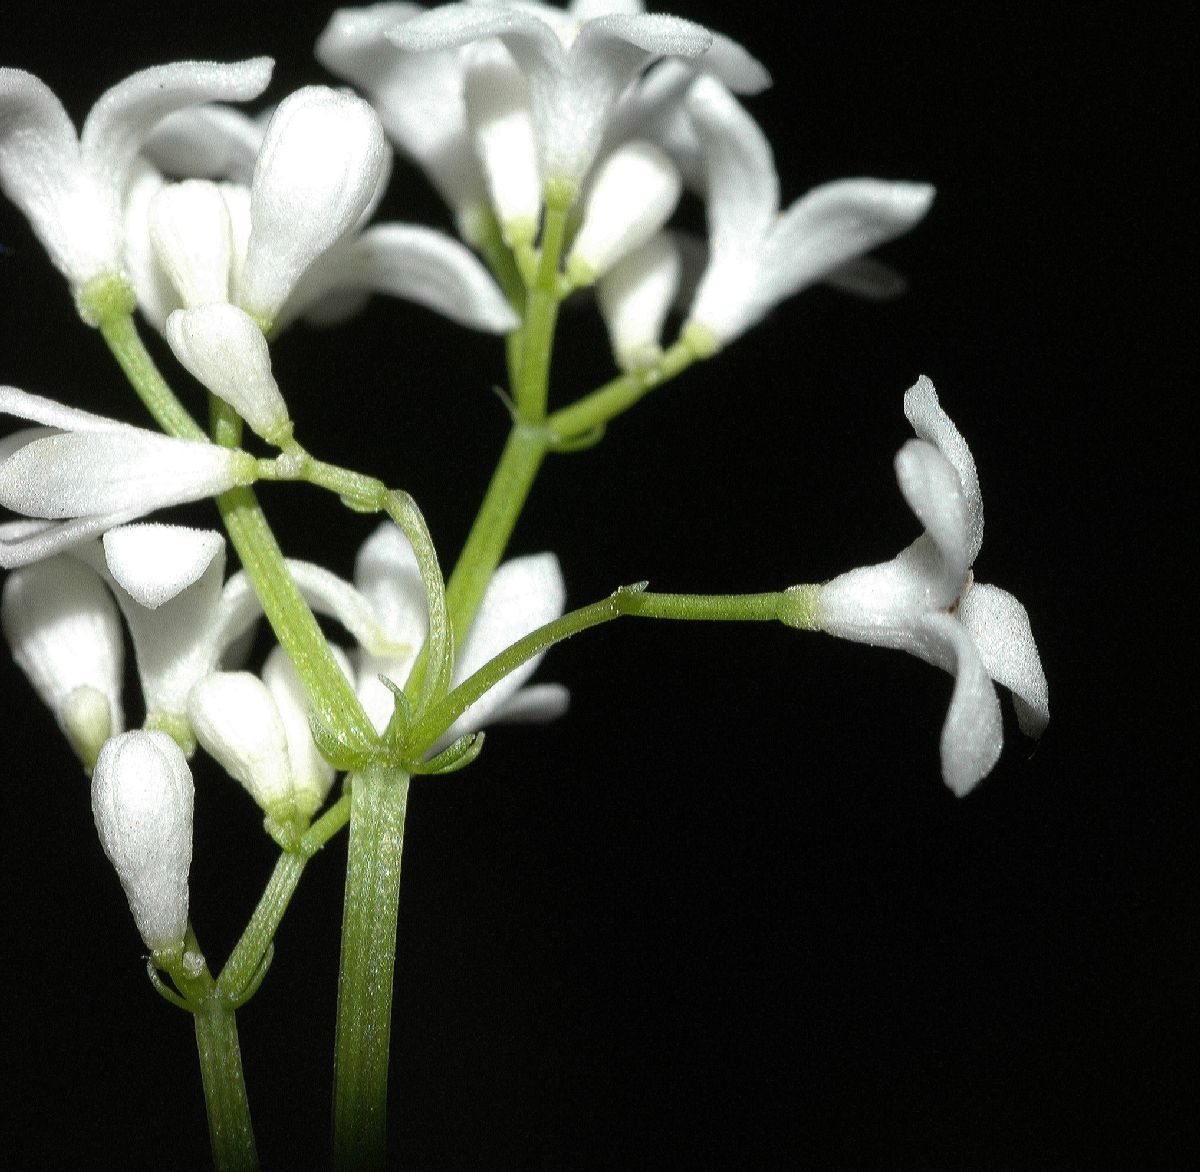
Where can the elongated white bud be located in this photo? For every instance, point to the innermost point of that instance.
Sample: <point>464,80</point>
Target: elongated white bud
<point>193,240</point>
<point>142,797</point>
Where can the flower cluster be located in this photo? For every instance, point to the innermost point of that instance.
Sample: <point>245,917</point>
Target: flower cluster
<point>563,141</point>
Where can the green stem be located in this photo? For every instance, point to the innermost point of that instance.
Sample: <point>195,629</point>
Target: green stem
<point>364,1011</point>
<point>610,400</point>
<point>767,607</point>
<point>541,312</point>
<point>121,335</point>
<point>502,503</point>
<point>229,1127</point>
<point>249,951</point>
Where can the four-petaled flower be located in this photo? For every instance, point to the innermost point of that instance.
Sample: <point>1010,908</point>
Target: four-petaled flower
<point>925,600</point>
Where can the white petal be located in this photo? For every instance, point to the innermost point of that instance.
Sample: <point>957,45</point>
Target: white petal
<point>238,723</point>
<point>931,423</point>
<point>419,96</point>
<point>635,297</point>
<point>175,643</point>
<point>631,196</point>
<point>42,173</point>
<point>153,563</point>
<point>222,347</point>
<point>590,9</point>
<point>38,409</point>
<point>834,224</point>
<point>22,543</point>
<point>421,265</point>
<point>312,775</point>
<point>931,487</point>
<point>120,121</point>
<point>65,634</point>
<point>973,733</point>
<point>321,163</point>
<point>999,624</point>
<point>93,474</point>
<point>156,294</point>
<point>386,571</point>
<point>522,595</point>
<point>192,239</point>
<point>142,796</point>
<point>501,126</point>
<point>869,278</point>
<point>207,142</point>
<point>536,704</point>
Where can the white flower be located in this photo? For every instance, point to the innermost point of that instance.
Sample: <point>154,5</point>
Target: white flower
<point>576,65</point>
<point>291,243</point>
<point>72,187</point>
<point>65,635</point>
<point>758,256</point>
<point>925,600</point>
<point>92,474</point>
<point>523,594</point>
<point>142,797</point>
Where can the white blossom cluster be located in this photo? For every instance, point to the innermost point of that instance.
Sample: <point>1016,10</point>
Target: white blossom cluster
<point>225,228</point>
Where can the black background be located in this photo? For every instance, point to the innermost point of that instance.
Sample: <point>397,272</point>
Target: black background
<point>725,913</point>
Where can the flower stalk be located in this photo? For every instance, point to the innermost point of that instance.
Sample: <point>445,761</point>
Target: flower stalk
<point>379,798</point>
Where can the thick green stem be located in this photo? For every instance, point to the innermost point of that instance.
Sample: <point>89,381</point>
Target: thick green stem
<point>541,312</point>
<point>229,1127</point>
<point>364,1012</point>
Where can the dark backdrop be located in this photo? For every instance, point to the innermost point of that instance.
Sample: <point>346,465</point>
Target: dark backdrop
<point>725,913</point>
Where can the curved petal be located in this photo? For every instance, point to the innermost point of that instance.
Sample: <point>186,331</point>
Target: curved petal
<point>42,173</point>
<point>931,423</point>
<point>206,142</point>
<point>320,167</point>
<point>523,594</point>
<point>421,265</point>
<point>153,563</point>
<point>635,296</point>
<point>156,295</point>
<point>119,122</point>
<point>64,631</point>
<point>973,733</point>
<point>833,224</point>
<point>22,543</point>
<point>931,487</point>
<point>999,624</point>
<point>221,347</point>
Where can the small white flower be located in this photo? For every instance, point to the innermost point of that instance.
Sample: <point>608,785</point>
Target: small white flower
<point>72,187</point>
<point>523,594</point>
<point>926,602</point>
<point>93,474</point>
<point>65,635</point>
<point>759,257</point>
<point>576,65</point>
<point>142,797</point>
